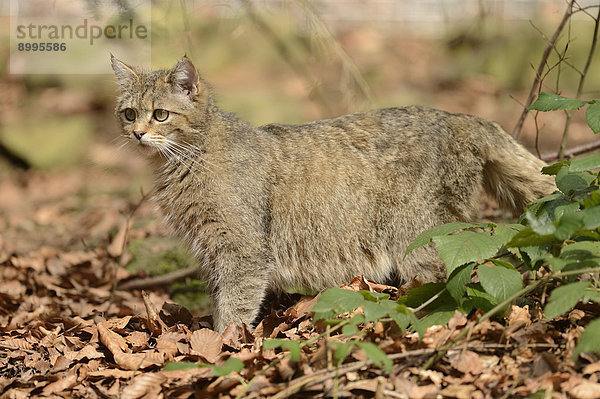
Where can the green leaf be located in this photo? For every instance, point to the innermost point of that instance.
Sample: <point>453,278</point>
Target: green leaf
<point>569,182</point>
<point>480,298</point>
<point>458,280</point>
<point>425,237</point>
<point>568,224</point>
<point>374,311</point>
<point>338,300</point>
<point>592,115</point>
<point>349,330</point>
<point>288,344</point>
<point>464,247</point>
<point>421,294</point>
<point>553,169</point>
<point>373,296</point>
<point>563,209</point>
<point>563,299</point>
<point>591,218</point>
<point>232,364</point>
<point>342,350</point>
<point>588,340</point>
<point>507,231</point>
<point>541,225</point>
<point>172,366</point>
<point>399,313</point>
<point>552,102</point>
<point>585,164</point>
<point>500,282</point>
<point>357,319</point>
<point>529,238</point>
<point>376,355</point>
<point>585,247</point>
<point>440,316</point>
<point>556,263</point>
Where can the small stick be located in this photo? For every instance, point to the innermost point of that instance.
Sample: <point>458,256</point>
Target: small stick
<point>538,76</point>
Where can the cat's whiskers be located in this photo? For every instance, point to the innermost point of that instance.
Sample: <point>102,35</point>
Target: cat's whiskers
<point>195,150</point>
<point>185,152</point>
<point>178,158</point>
<point>167,146</point>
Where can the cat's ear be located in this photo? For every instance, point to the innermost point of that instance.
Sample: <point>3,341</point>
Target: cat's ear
<point>184,77</point>
<point>123,72</point>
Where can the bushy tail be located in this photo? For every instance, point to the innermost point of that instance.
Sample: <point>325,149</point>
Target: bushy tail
<point>512,174</point>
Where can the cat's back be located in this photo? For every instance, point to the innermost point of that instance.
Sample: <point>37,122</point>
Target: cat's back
<point>377,129</point>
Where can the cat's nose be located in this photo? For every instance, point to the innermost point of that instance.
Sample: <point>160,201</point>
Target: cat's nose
<point>138,134</point>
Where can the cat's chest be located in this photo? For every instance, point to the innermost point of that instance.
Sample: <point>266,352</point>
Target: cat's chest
<point>183,198</point>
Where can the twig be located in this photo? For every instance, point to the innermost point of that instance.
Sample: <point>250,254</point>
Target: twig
<point>16,348</point>
<point>563,141</point>
<point>538,76</point>
<point>156,281</point>
<point>580,149</point>
<point>123,246</point>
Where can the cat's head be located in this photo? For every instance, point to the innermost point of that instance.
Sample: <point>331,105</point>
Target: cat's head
<point>162,111</point>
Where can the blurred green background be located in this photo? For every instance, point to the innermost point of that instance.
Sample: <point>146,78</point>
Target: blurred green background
<point>271,61</point>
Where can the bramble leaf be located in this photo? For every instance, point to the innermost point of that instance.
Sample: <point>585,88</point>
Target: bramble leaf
<point>376,355</point>
<point>425,237</point>
<point>338,300</point>
<point>552,102</point>
<point>588,340</point>
<point>290,345</point>
<point>458,280</point>
<point>232,364</point>
<point>563,299</point>
<point>592,115</point>
<point>466,246</point>
<point>171,366</point>
<point>585,164</point>
<point>499,281</point>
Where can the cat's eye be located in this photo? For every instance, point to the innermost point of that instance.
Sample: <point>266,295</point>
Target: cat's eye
<point>129,114</point>
<point>161,115</point>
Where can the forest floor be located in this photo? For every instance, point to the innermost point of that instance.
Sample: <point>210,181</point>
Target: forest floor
<point>65,331</point>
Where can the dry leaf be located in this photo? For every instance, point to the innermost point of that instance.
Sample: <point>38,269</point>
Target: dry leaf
<point>518,314</point>
<point>467,362</point>
<point>592,368</point>
<point>113,341</point>
<point>424,392</point>
<point>136,361</point>
<point>115,249</point>
<point>206,343</point>
<point>586,390</point>
<point>458,391</point>
<point>64,382</point>
<point>87,352</point>
<point>142,385</point>
<point>167,347</point>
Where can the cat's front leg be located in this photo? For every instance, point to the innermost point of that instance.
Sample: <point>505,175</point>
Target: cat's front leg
<point>239,289</point>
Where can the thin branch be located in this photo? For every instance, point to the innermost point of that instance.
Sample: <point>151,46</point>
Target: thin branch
<point>563,141</point>
<point>580,149</point>
<point>165,279</point>
<point>537,81</point>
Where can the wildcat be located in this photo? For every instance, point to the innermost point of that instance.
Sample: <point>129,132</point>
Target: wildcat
<point>312,205</point>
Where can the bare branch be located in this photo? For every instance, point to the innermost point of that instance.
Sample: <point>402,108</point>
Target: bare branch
<point>578,150</point>
<point>537,81</point>
<point>563,142</point>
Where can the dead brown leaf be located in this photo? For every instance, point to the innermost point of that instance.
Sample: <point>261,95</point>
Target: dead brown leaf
<point>206,343</point>
<point>467,362</point>
<point>136,361</point>
<point>586,390</point>
<point>147,384</point>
